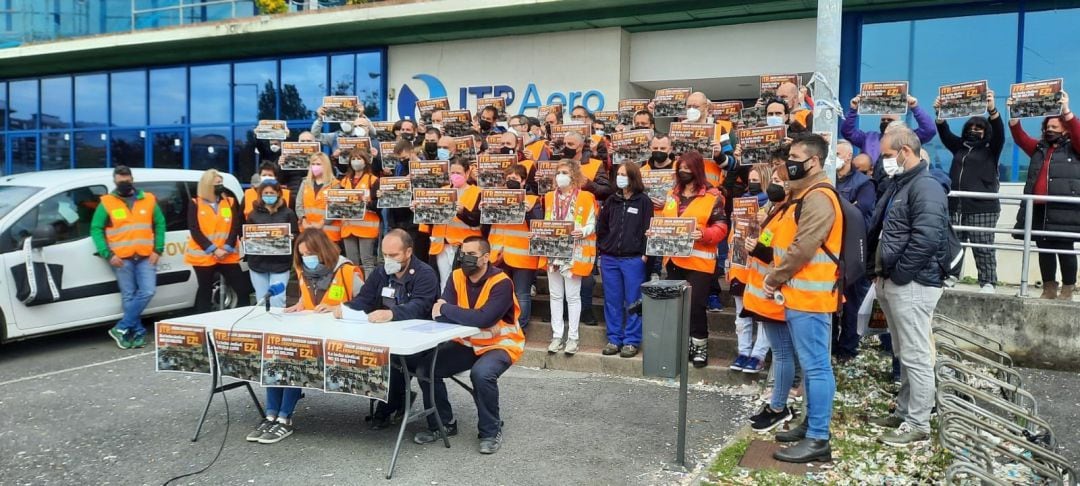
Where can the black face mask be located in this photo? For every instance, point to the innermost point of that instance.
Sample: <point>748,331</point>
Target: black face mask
<point>569,153</point>
<point>658,158</point>
<point>641,128</point>
<point>506,150</point>
<point>219,190</point>
<point>512,184</point>
<point>883,126</point>
<point>485,126</point>
<point>408,137</point>
<point>469,264</point>
<point>431,148</point>
<point>775,192</point>
<point>754,188</point>
<point>125,189</point>
<point>1052,138</point>
<point>971,136</point>
<point>796,169</point>
<point>685,177</point>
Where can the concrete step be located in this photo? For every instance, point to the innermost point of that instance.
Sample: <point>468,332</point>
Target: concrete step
<point>590,360</point>
<point>720,345</point>
<point>722,322</point>
<point>598,291</point>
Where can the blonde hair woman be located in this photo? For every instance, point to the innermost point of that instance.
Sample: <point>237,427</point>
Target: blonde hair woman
<point>311,199</point>
<point>214,223</point>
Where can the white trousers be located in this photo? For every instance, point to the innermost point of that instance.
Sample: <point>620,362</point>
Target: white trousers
<point>568,288</point>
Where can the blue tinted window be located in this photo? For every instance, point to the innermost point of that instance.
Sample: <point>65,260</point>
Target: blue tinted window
<point>55,103</point>
<point>91,100</point>
<point>128,147</point>
<point>167,149</point>
<point>23,153</point>
<point>209,149</point>
<point>24,104</point>
<point>55,150</point>
<point>303,85</point>
<point>128,98</point>
<point>369,83</point>
<point>210,94</point>
<point>244,158</point>
<point>342,69</point>
<point>254,94</point>
<point>90,149</point>
<point>168,96</point>
<point>3,110</point>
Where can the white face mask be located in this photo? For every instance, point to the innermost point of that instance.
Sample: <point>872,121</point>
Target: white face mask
<point>891,166</point>
<point>346,127</point>
<point>774,121</point>
<point>693,114</point>
<point>358,164</point>
<point>275,148</point>
<point>622,181</point>
<point>360,132</point>
<point>562,180</point>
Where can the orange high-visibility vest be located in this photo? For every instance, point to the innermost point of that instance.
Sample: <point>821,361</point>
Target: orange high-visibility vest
<point>315,210</point>
<point>536,149</point>
<point>456,230</point>
<point>754,299</point>
<point>503,335</point>
<point>216,226</point>
<point>713,174</point>
<point>590,169</point>
<point>131,230</point>
<point>702,257</point>
<point>340,290</point>
<point>585,248</point>
<point>816,286</point>
<point>512,241</point>
<point>250,196</point>
<point>361,228</point>
<point>801,116</point>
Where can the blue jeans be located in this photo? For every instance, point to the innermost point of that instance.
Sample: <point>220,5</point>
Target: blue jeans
<point>281,402</point>
<point>523,281</point>
<point>262,281</point>
<point>783,362</point>
<point>811,334</point>
<point>623,277</point>
<point>137,280</point>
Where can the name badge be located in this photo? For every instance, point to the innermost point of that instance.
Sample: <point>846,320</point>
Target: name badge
<point>631,210</point>
<point>388,292</point>
<point>336,292</point>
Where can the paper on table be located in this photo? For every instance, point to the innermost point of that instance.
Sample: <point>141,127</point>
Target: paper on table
<point>348,314</point>
<point>430,327</point>
<point>281,312</point>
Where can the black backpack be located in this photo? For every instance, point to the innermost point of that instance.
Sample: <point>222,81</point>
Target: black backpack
<point>852,258</point>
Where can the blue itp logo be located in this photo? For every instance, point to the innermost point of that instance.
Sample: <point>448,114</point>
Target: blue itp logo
<point>407,98</point>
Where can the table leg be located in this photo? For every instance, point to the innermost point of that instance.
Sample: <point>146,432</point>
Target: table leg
<point>405,417</point>
<point>258,406</point>
<point>210,397</point>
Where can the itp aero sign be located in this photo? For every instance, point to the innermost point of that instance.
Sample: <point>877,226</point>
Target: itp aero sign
<point>533,98</point>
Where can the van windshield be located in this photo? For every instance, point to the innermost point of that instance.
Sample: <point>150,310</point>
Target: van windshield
<point>12,196</point>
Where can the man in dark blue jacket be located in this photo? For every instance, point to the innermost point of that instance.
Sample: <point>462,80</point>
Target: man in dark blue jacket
<point>910,226</point>
<point>858,189</point>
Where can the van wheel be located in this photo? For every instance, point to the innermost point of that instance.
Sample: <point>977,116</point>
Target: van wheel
<point>215,293</point>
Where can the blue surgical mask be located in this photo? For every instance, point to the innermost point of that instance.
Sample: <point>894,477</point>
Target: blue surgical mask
<point>270,200</point>
<point>443,154</point>
<point>774,121</point>
<point>622,181</point>
<point>310,261</point>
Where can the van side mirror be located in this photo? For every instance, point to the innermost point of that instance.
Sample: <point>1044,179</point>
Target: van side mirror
<point>43,236</point>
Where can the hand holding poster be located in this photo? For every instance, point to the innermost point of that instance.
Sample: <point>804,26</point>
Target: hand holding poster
<point>630,146</point>
<point>427,107</point>
<point>465,148</point>
<point>745,226</point>
<point>884,98</point>
<point>725,110</point>
<point>345,204</point>
<point>491,169</point>
<point>768,84</point>
<point>759,143</point>
<point>543,112</point>
<point>395,192</point>
<point>384,131</point>
<point>341,108</point>
<point>357,369</point>
<point>670,102</point>
<point>457,123</point>
<point>272,130</point>
<point>390,160</point>
<point>608,118</point>
<point>627,109</point>
<point>295,361</point>
<point>239,354</point>
<point>1035,99</point>
<point>658,183</point>
<point>297,155</point>
<point>692,136</point>
<point>434,206</point>
<point>181,348</point>
<point>551,239</point>
<point>498,102</point>
<point>267,239</point>
<point>429,174</point>
<point>670,237</point>
<point>545,175</point>
<point>962,100</point>
<point>502,206</point>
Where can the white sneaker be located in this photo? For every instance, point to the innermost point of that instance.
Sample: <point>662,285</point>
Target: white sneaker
<point>571,347</point>
<point>951,281</point>
<point>555,346</point>
<point>987,289</point>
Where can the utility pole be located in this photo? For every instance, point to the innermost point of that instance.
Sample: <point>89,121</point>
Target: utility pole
<point>828,66</point>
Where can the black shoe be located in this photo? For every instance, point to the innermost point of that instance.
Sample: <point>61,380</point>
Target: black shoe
<point>699,354</point>
<point>610,349</point>
<point>793,435</point>
<point>769,419</point>
<point>429,436</point>
<point>807,450</point>
<point>491,445</point>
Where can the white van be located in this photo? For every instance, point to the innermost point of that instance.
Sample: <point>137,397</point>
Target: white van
<point>59,205</point>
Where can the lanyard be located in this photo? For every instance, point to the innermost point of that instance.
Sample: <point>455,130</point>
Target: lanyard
<point>564,203</point>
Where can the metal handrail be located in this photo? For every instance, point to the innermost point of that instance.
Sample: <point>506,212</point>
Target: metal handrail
<point>1026,201</point>
<point>180,7</point>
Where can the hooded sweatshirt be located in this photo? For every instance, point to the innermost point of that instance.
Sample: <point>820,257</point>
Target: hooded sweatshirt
<point>975,163</point>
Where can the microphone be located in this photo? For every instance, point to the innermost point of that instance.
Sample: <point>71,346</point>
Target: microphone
<point>274,290</point>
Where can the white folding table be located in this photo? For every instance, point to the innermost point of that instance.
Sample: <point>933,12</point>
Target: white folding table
<point>396,336</point>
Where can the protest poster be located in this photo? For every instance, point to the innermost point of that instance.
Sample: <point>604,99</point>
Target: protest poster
<point>465,149</point>
<point>691,136</point>
<point>545,175</point>
<point>670,236</point>
<point>751,117</point>
<point>551,239</point>
<point>272,130</point>
<point>341,108</point>
<point>395,192</point>
<point>759,143</point>
<point>545,110</point>
<point>630,146</point>
<point>627,109</point>
<point>962,100</point>
<point>239,354</point>
<point>884,98</point>
<point>426,107</point>
<point>357,369</point>
<point>346,145</point>
<point>390,160</point>
<point>744,212</point>
<point>498,102</point>
<point>429,174</point>
<point>768,84</point>
<point>658,183</point>
<point>294,361</point>
<point>1036,99</point>
<point>670,102</point>
<point>345,204</point>
<point>491,169</point>
<point>494,140</point>
<point>384,131</point>
<point>297,155</point>
<point>434,206</point>
<point>457,123</point>
<point>608,118</point>
<point>725,110</point>
<point>181,348</point>
<point>558,132</point>
<point>267,239</point>
<point>502,206</point>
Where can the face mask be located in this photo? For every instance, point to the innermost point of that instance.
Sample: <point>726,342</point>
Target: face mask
<point>443,154</point>
<point>754,188</point>
<point>391,266</point>
<point>972,137</point>
<point>513,184</point>
<point>316,170</point>
<point>457,180</point>
<point>358,164</point>
<point>774,121</point>
<point>622,181</point>
<point>275,148</point>
<point>562,180</point>
<point>347,127</point>
<point>310,261</point>
<point>884,125</point>
<point>599,132</point>
<point>408,137</point>
<point>775,192</point>
<point>1052,137</point>
<point>693,114</point>
<point>469,264</point>
<point>642,127</point>
<point>569,153</point>
<point>431,147</point>
<point>685,177</point>
<point>796,169</point>
<point>360,132</point>
<point>891,166</point>
<point>125,189</point>
<point>658,158</point>
<point>485,126</point>
<point>506,150</point>
<point>219,189</point>
<point>269,199</point>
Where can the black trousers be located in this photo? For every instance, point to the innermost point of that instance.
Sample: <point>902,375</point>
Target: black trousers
<point>1048,261</point>
<point>234,278</point>
<point>700,283</point>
